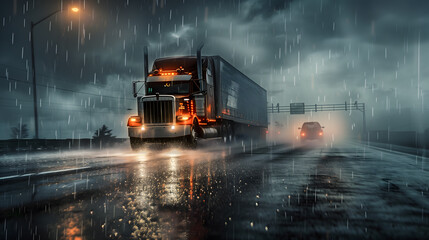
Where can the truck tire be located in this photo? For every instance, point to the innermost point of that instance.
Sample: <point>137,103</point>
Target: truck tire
<point>230,133</point>
<point>224,131</point>
<point>136,144</point>
<point>192,138</point>
<point>227,132</point>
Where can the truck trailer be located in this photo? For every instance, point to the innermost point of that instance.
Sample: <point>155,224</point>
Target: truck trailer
<point>192,97</point>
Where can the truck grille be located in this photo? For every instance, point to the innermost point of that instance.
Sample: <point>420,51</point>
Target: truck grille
<point>158,111</point>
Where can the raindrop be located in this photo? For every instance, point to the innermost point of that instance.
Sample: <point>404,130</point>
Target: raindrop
<point>230,31</point>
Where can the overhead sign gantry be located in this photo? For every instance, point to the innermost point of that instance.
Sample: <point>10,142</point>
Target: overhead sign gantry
<point>302,108</point>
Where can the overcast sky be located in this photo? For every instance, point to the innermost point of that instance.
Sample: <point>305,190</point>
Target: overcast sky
<point>312,51</point>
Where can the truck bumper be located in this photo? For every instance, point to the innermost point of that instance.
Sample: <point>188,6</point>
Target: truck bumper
<point>157,132</point>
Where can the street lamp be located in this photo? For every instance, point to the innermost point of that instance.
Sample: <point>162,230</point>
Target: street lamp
<point>33,24</point>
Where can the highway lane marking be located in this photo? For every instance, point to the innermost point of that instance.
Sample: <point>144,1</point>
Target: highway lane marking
<point>46,173</point>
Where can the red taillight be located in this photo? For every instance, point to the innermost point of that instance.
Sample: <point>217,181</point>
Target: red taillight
<point>303,134</point>
<point>320,133</point>
<point>134,121</point>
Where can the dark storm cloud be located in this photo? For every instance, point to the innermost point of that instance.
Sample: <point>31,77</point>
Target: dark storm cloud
<point>252,9</point>
<point>298,50</point>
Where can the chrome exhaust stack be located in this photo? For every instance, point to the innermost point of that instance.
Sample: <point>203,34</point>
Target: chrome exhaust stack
<point>200,67</point>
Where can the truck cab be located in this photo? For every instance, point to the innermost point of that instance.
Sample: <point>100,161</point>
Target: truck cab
<point>167,111</point>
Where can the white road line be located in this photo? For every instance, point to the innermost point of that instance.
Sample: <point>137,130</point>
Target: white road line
<point>43,173</point>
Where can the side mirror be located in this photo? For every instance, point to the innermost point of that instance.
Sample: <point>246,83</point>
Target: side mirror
<point>299,128</point>
<point>323,127</point>
<point>135,89</point>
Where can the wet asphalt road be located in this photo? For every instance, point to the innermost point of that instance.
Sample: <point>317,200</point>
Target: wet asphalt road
<point>344,191</point>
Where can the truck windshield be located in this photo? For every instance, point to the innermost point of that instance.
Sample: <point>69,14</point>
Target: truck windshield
<point>168,87</point>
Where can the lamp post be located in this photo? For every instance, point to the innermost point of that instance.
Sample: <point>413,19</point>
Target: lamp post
<point>33,66</point>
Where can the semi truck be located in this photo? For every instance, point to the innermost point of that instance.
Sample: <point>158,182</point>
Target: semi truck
<point>192,97</point>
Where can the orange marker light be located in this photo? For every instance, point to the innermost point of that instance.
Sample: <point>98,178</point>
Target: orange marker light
<point>168,74</point>
<point>183,118</point>
<point>134,121</point>
<point>75,9</point>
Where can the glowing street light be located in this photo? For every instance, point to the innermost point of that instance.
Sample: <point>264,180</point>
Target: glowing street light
<point>33,24</point>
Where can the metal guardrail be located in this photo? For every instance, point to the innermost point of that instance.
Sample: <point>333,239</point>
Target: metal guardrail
<point>319,107</point>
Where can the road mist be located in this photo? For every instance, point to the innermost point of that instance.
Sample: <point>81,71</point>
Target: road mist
<point>286,129</point>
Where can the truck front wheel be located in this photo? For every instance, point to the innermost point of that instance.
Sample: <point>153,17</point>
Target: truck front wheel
<point>192,138</point>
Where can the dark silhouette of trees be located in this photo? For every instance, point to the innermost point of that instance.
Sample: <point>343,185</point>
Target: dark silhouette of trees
<point>103,136</point>
<point>19,132</point>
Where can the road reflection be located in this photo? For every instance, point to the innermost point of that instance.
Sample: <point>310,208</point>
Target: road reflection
<point>151,194</point>
<point>163,201</point>
<point>71,224</point>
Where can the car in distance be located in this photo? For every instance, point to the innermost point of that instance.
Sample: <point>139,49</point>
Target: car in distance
<point>311,131</point>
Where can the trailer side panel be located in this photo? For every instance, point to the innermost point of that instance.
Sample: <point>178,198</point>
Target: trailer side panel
<point>238,98</point>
